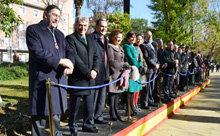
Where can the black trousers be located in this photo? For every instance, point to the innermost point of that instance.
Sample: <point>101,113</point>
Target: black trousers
<point>147,92</point>
<point>99,103</point>
<point>168,82</point>
<point>182,82</point>
<point>39,124</point>
<point>87,111</point>
<point>113,103</point>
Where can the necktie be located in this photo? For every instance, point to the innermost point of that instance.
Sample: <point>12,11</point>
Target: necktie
<point>84,39</point>
<point>106,58</point>
<point>102,39</point>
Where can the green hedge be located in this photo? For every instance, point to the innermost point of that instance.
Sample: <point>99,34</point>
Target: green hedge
<point>11,71</point>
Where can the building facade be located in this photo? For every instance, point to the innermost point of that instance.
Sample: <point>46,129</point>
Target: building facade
<point>32,12</point>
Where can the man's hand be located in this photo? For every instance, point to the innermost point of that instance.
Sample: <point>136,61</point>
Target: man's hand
<point>165,65</point>
<point>157,67</point>
<point>66,63</point>
<point>93,74</point>
<point>67,71</point>
<point>176,61</point>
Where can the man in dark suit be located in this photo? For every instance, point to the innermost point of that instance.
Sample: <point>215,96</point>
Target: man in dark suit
<point>183,62</point>
<point>85,73</point>
<point>170,70</point>
<point>150,55</point>
<point>101,43</point>
<point>48,53</point>
<point>163,65</point>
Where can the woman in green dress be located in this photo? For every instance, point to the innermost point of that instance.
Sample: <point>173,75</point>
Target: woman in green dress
<point>134,59</point>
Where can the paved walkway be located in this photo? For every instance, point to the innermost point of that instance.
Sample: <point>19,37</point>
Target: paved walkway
<point>200,117</point>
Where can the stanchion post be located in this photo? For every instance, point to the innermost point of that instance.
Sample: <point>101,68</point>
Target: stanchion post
<point>160,86</point>
<point>49,107</point>
<point>128,99</point>
<point>194,75</point>
<point>177,83</point>
<point>199,75</point>
<point>187,81</point>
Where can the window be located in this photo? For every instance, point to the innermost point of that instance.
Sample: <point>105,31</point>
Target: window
<point>22,44</point>
<point>22,27</point>
<point>22,10</point>
<point>36,0</point>
<point>35,13</point>
<point>60,6</point>
<point>6,40</point>
<point>63,18</point>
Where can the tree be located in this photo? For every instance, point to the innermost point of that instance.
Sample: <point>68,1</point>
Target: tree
<point>117,20</point>
<point>139,25</point>
<point>174,19</point>
<point>78,5</point>
<point>101,8</point>
<point>9,21</point>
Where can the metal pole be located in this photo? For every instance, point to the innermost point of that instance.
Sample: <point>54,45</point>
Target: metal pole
<point>50,107</point>
<point>128,98</point>
<point>160,87</point>
<point>177,83</point>
<point>194,75</point>
<point>187,81</point>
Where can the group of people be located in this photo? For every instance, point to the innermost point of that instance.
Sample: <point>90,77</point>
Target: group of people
<point>94,59</point>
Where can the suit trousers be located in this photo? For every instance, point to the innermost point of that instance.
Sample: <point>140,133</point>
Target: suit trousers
<point>168,82</point>
<point>99,103</point>
<point>39,125</point>
<point>147,96</point>
<point>182,83</point>
<point>87,111</point>
<point>156,94</point>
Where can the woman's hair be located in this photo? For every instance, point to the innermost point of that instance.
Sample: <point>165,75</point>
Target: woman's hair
<point>130,34</point>
<point>113,33</point>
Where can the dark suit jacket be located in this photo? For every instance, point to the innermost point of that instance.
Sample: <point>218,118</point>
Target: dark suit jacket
<point>183,61</point>
<point>103,69</point>
<point>150,55</point>
<point>86,58</point>
<point>44,63</point>
<point>169,59</point>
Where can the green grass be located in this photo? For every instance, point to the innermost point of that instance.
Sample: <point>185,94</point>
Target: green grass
<point>14,109</point>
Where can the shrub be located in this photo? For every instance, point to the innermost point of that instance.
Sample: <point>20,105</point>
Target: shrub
<point>11,71</point>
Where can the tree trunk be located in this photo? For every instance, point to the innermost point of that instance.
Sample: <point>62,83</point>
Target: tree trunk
<point>78,10</point>
<point>127,6</point>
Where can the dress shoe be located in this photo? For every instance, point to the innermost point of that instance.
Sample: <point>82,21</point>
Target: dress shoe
<point>90,129</point>
<point>133,114</point>
<point>114,118</point>
<point>74,131</point>
<point>74,134</point>
<point>101,121</point>
<point>145,107</point>
<point>173,96</point>
<point>153,105</point>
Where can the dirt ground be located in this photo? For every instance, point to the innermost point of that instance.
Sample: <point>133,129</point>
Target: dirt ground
<point>200,117</point>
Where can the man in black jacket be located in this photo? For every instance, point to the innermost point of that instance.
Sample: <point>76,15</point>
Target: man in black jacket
<point>101,44</point>
<point>169,71</point>
<point>183,68</point>
<point>85,73</point>
<point>150,55</point>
